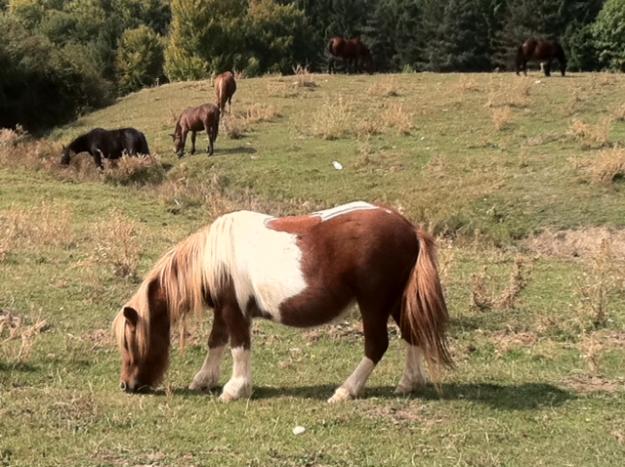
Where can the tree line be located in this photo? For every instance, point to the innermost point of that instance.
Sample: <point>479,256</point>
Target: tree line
<point>59,58</point>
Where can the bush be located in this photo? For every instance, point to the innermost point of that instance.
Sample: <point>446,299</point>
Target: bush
<point>609,33</point>
<point>139,60</point>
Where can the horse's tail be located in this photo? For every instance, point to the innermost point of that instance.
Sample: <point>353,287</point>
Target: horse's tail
<point>424,309</point>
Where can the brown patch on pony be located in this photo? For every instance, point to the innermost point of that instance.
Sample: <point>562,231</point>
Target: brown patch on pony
<point>294,224</point>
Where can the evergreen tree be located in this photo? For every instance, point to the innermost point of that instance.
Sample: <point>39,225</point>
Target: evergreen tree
<point>609,34</point>
<point>139,59</point>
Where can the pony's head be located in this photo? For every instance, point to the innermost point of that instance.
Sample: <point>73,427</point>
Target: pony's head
<point>175,286</point>
<point>142,332</point>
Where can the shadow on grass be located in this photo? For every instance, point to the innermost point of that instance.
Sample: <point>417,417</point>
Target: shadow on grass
<point>237,150</point>
<point>525,396</point>
<point>22,367</point>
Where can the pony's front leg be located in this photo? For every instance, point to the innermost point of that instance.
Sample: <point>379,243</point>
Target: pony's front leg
<point>208,376</point>
<point>376,342</point>
<point>240,383</point>
<point>193,142</point>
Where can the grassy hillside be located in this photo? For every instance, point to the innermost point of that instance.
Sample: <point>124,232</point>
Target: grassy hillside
<point>522,178</point>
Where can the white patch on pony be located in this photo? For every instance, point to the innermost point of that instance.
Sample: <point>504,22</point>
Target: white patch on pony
<point>331,213</point>
<point>263,263</point>
<point>414,373</point>
<point>208,376</point>
<point>240,384</point>
<point>353,385</point>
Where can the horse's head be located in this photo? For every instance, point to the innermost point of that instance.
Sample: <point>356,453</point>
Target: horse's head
<point>142,332</point>
<point>178,140</point>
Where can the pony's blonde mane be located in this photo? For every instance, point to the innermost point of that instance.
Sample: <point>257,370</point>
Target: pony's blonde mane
<point>200,264</point>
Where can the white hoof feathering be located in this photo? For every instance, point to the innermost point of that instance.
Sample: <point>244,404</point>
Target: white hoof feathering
<point>204,381</point>
<point>340,395</point>
<point>235,389</point>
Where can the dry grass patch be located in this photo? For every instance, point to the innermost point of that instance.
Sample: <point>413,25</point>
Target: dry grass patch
<point>304,78</point>
<point>607,167</point>
<point>601,279</point>
<point>619,113</point>
<point>592,136</point>
<point>237,124</point>
<point>384,87</point>
<point>47,224</point>
<point>129,170</point>
<point>588,384</point>
<point>396,117</point>
<point>485,298</point>
<point>586,243</point>
<point>467,83</point>
<point>18,336</point>
<point>513,94</point>
<point>501,117</point>
<point>333,120</point>
<point>118,243</point>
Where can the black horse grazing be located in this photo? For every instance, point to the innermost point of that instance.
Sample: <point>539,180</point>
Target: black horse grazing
<point>111,144</point>
<point>544,51</point>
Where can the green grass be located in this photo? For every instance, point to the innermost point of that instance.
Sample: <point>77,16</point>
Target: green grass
<point>536,383</point>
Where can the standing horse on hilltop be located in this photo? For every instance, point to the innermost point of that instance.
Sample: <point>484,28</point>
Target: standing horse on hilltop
<point>225,87</point>
<point>542,50</point>
<point>194,119</point>
<point>352,52</point>
<point>299,271</point>
<point>110,144</point>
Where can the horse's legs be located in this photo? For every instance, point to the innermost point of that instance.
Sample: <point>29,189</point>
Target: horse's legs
<point>97,157</point>
<point>208,126</point>
<point>240,383</point>
<point>374,322</point>
<point>193,142</point>
<point>525,67</point>
<point>208,376</point>
<point>414,372</point>
<point>547,68</point>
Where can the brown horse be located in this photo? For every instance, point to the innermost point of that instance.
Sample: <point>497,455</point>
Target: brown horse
<point>194,119</point>
<point>353,52</point>
<point>299,271</point>
<point>544,51</point>
<point>225,87</point>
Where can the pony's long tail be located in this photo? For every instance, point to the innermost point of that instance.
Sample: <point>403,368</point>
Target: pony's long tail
<point>424,309</point>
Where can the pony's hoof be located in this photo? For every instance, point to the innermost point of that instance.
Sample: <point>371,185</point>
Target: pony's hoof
<point>233,391</point>
<point>202,384</point>
<point>340,395</point>
<point>403,390</point>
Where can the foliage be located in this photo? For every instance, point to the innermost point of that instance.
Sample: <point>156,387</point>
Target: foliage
<point>139,60</point>
<point>609,32</point>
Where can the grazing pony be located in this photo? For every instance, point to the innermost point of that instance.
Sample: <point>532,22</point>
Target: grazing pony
<point>111,144</point>
<point>225,87</point>
<point>544,51</point>
<point>353,52</point>
<point>194,119</point>
<point>299,271</point>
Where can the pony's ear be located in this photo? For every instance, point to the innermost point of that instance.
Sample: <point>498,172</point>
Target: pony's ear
<point>131,315</point>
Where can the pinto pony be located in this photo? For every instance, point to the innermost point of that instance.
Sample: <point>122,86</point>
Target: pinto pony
<point>353,52</point>
<point>299,271</point>
<point>194,119</point>
<point>110,144</point>
<point>225,87</point>
<point>544,51</point>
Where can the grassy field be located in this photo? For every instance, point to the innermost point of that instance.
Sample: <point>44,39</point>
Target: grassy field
<point>522,179</point>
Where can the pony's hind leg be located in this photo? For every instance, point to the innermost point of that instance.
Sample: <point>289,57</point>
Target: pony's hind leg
<point>376,342</point>
<point>414,375</point>
<point>208,376</point>
<point>240,383</point>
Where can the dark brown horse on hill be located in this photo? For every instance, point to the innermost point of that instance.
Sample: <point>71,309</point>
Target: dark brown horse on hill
<point>194,119</point>
<point>225,87</point>
<point>300,271</point>
<point>352,52</point>
<point>542,50</point>
<point>109,144</point>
